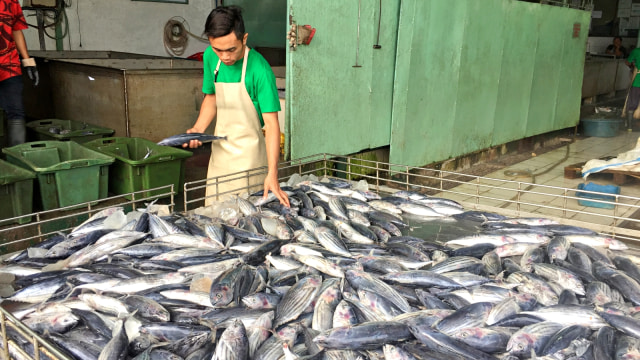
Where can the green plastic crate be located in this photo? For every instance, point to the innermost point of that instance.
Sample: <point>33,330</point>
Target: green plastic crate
<point>67,172</point>
<point>65,130</point>
<point>16,193</point>
<point>132,172</point>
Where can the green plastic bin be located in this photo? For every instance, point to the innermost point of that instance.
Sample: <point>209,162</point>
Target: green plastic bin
<point>65,130</point>
<point>132,172</point>
<point>16,193</point>
<point>67,172</point>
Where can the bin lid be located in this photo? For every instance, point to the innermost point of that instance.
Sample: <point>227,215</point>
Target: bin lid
<point>10,173</point>
<point>51,156</point>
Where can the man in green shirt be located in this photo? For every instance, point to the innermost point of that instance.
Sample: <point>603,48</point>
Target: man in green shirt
<point>633,98</point>
<point>241,93</point>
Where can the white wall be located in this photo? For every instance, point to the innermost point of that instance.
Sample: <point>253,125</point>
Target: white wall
<point>124,25</point>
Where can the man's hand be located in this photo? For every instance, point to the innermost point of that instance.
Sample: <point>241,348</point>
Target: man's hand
<point>271,183</point>
<point>31,70</point>
<point>193,143</point>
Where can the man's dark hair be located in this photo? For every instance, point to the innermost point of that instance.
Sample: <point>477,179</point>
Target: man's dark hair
<point>617,37</point>
<point>223,20</point>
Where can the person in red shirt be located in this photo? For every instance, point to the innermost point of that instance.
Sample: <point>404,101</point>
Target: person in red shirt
<point>12,47</point>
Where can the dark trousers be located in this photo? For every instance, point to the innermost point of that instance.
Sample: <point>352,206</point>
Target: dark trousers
<point>633,99</point>
<point>11,97</point>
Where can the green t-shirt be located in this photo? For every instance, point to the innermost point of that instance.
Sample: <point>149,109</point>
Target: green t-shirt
<point>634,58</point>
<point>259,80</point>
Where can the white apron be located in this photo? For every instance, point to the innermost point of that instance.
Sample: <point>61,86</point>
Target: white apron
<point>244,149</point>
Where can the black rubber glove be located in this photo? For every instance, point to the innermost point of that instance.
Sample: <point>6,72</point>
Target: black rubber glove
<point>31,70</point>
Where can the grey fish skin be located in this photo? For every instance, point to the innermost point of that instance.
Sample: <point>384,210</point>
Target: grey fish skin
<point>297,299</point>
<point>626,324</point>
<point>473,315</point>
<point>38,292</point>
<point>116,348</point>
<point>618,280</point>
<point>331,241</point>
<point>558,248</point>
<point>233,343</point>
<point>568,297</point>
<point>532,337</point>
<point>147,308</point>
<point>324,309</point>
<point>599,293</point>
<point>531,256</point>
<point>592,253</point>
<point>503,309</point>
<point>459,263</point>
<point>380,265</point>
<point>579,259</point>
<point>569,315</point>
<point>79,349</point>
<point>442,343</point>
<point>369,335</point>
<point>604,343</point>
<point>564,277</point>
<point>484,339</point>
<point>54,322</point>
<point>430,301</point>
<point>181,139</point>
<point>628,266</point>
<point>259,332</point>
<point>563,338</point>
<point>344,315</point>
<point>420,278</point>
<point>408,250</point>
<point>362,280</point>
<point>93,321</point>
<point>492,263</point>
<point>534,284</point>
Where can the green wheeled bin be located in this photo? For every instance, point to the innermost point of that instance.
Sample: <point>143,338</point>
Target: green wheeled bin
<point>141,164</point>
<point>67,172</point>
<point>65,130</point>
<point>16,193</point>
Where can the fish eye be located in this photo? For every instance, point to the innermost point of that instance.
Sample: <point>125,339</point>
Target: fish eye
<point>520,347</point>
<point>218,296</point>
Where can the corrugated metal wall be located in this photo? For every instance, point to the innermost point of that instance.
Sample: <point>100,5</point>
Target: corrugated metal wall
<point>452,77</point>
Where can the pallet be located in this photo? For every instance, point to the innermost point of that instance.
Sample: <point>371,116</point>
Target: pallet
<point>620,177</point>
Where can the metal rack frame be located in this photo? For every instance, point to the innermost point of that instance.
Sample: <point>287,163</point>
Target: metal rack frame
<point>44,223</point>
<point>382,177</point>
<point>387,177</point>
<point>51,218</point>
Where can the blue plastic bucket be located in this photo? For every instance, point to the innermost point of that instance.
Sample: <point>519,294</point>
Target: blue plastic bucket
<point>601,127</point>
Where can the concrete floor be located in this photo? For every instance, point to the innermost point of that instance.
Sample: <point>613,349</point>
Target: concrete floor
<point>538,186</point>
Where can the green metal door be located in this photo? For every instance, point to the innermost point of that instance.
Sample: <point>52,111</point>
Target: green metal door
<point>332,106</point>
<point>472,74</point>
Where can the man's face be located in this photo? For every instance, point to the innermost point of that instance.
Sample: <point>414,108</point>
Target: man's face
<point>228,48</point>
<point>617,42</point>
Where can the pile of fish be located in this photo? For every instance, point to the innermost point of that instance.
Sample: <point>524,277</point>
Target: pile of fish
<point>337,275</point>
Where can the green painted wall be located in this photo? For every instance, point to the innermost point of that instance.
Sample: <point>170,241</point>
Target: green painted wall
<point>473,74</point>
<point>265,21</point>
<point>452,77</point>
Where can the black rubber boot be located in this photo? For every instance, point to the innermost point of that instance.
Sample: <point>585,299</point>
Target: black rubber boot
<point>16,132</point>
<point>629,121</point>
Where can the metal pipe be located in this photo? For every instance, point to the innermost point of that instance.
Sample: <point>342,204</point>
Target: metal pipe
<point>126,104</point>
